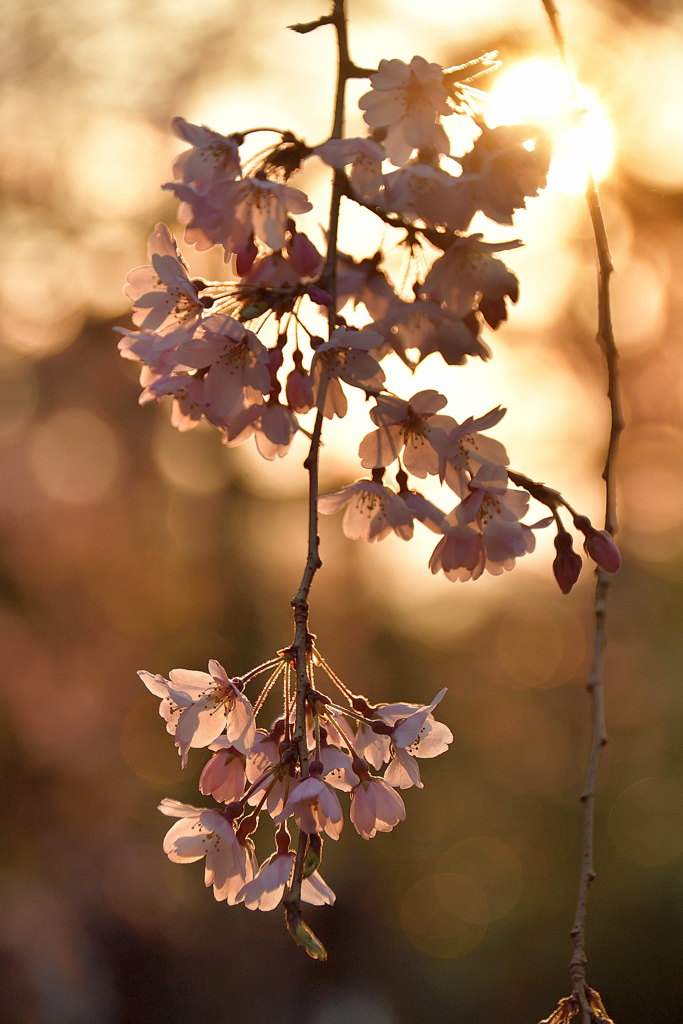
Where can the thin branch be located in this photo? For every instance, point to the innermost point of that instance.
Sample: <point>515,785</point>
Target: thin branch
<point>303,639</point>
<point>605,339</point>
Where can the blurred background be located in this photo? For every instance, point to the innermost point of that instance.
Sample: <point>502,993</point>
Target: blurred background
<point>126,545</point>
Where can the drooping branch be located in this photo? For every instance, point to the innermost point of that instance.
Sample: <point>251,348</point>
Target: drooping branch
<point>302,646</point>
<point>605,338</point>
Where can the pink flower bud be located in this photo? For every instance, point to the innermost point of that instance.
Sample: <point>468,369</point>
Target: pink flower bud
<point>299,391</point>
<point>602,549</point>
<point>599,545</point>
<point>319,295</point>
<point>567,564</point>
<point>246,257</point>
<point>304,256</point>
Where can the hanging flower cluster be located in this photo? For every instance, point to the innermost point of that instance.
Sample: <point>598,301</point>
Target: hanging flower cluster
<point>283,777</point>
<point>195,347</point>
<point>245,354</point>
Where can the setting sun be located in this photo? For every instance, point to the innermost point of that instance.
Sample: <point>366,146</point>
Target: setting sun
<point>539,91</point>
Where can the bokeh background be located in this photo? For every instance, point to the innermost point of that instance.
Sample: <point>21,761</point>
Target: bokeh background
<point>124,545</point>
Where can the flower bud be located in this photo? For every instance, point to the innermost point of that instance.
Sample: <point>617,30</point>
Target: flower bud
<point>298,390</point>
<point>602,549</point>
<point>245,257</point>
<point>599,545</point>
<point>302,934</point>
<point>567,564</point>
<point>304,256</point>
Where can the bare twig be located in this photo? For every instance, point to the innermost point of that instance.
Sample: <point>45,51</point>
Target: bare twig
<point>605,339</point>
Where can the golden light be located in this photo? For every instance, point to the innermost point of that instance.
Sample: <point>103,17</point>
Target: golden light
<point>538,91</point>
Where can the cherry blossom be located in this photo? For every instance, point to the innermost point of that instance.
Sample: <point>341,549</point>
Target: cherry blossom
<point>468,277</point>
<point>210,703</point>
<point>432,194</point>
<point>164,298</point>
<point>298,387</point>
<point>246,354</point>
<point>273,426</point>
<point>212,158</point>
<point>265,890</point>
<point>407,100</point>
<point>189,403</point>
<point>411,427</point>
<point>372,511</point>
<point>375,807</point>
<point>223,776</point>
<point>511,163</point>
<point>229,213</point>
<point>414,330</point>
<point>201,832</point>
<point>267,774</point>
<point>484,531</point>
<point>315,807</point>
<point>363,282</point>
<point>599,545</point>
<point>418,734</point>
<point>345,357</point>
<point>236,363</point>
<point>365,158</point>
<point>467,449</point>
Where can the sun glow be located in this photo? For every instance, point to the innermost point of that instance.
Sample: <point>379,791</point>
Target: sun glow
<point>539,92</point>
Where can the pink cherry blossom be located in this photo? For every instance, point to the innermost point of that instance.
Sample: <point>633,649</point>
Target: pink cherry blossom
<point>374,745</point>
<point>432,195</point>
<point>372,511</point>
<point>484,531</point>
<point>418,734</point>
<point>164,298</point>
<point>363,282</point>
<point>365,158</point>
<point>275,427</point>
<point>237,374</point>
<point>209,704</point>
<point>206,833</point>
<point>188,398</point>
<point>266,889</point>
<point>337,769</point>
<point>298,387</point>
<point>230,213</point>
<point>212,158</point>
<point>315,807</point>
<point>410,427</point>
<point>468,449</point>
<point>158,352</point>
<point>408,100</point>
<point>303,256</point>
<point>468,277</point>
<point>345,357</point>
<point>511,163</point>
<point>375,807</point>
<point>423,510</point>
<point>267,774</point>
<point>416,329</point>
<point>460,552</point>
<point>223,776</point>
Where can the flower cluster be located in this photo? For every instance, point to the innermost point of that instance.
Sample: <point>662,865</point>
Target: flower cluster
<point>284,778</point>
<point>246,355</point>
<point>196,348</point>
